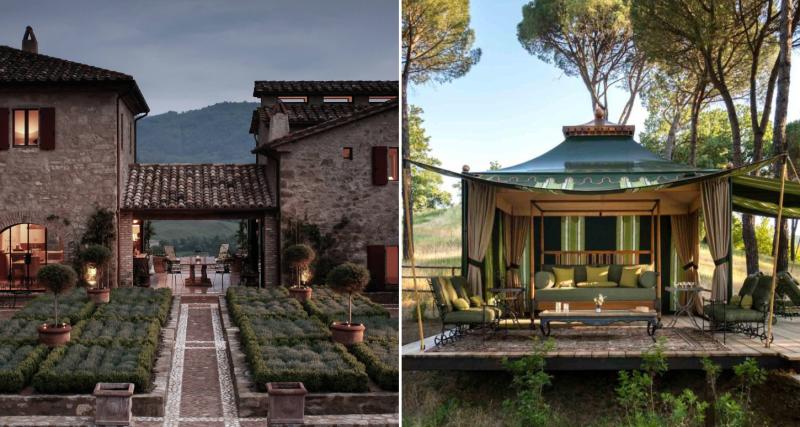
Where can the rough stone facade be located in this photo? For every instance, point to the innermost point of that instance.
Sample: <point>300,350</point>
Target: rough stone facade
<point>319,186</point>
<point>61,188</point>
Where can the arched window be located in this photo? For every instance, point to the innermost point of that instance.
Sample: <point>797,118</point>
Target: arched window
<point>24,248</point>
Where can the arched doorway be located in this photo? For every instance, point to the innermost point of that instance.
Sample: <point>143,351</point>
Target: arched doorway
<point>24,248</point>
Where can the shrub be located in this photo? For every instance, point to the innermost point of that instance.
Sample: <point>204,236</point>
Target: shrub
<point>137,304</point>
<point>281,308</point>
<point>107,331</point>
<point>329,305</point>
<point>18,331</point>
<point>57,278</point>
<point>298,257</point>
<point>76,368</point>
<point>380,359</point>
<point>98,255</point>
<point>73,307</point>
<point>239,294</point>
<point>530,379</point>
<point>320,366</point>
<point>379,328</point>
<point>17,363</point>
<point>274,330</point>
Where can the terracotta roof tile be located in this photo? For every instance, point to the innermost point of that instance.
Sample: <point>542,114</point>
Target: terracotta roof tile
<point>303,115</point>
<point>197,186</point>
<point>326,87</point>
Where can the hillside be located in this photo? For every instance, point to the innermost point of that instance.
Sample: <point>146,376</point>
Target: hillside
<point>214,134</point>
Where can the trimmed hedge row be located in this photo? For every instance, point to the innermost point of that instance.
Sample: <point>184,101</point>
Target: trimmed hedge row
<point>320,366</point>
<point>285,331</point>
<point>106,331</point>
<point>378,328</point>
<point>76,368</point>
<point>18,362</point>
<point>286,308</point>
<point>330,306</point>
<point>137,304</point>
<point>17,331</point>
<point>380,358</point>
<point>73,307</point>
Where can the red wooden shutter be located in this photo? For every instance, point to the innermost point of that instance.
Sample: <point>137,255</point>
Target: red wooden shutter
<point>5,128</point>
<point>376,264</point>
<point>380,165</point>
<point>47,129</point>
<point>392,265</point>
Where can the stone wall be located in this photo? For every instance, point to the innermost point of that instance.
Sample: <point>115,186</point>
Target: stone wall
<point>271,261</point>
<point>67,184</point>
<point>319,186</point>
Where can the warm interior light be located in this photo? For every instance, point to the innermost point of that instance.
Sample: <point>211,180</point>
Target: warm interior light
<point>91,274</point>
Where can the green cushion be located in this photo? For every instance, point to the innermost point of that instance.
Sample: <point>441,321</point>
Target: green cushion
<point>470,316</point>
<point>597,274</point>
<point>614,272</point>
<point>564,276</point>
<point>737,300</point>
<point>460,285</point>
<point>746,302</point>
<point>630,276</point>
<point>437,283</point>
<point>580,273</point>
<point>587,294</point>
<point>476,301</point>
<point>544,279</point>
<point>788,286</point>
<point>648,279</point>
<point>733,313</point>
<point>460,304</point>
<point>597,285</point>
<point>749,284</point>
<point>762,292</point>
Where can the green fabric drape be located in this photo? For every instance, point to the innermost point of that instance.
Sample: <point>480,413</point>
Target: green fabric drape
<point>573,238</point>
<point>628,239</point>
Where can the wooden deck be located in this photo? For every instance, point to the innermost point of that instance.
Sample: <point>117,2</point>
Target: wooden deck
<point>487,352</point>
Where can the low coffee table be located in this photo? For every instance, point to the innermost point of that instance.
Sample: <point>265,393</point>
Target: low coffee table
<point>593,318</point>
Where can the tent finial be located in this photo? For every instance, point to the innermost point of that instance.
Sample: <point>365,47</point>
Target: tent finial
<point>599,112</point>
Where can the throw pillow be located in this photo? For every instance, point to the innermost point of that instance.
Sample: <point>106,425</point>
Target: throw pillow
<point>737,300</point>
<point>476,301</point>
<point>747,302</point>
<point>597,274</point>
<point>565,277</point>
<point>460,304</point>
<point>630,276</point>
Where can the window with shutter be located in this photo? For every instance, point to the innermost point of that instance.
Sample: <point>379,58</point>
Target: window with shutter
<point>26,127</point>
<point>5,128</point>
<point>379,165</point>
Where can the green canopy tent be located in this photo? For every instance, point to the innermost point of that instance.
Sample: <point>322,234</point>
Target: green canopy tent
<point>600,170</point>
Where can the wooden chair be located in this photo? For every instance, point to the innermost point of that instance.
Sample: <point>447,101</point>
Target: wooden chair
<point>169,251</point>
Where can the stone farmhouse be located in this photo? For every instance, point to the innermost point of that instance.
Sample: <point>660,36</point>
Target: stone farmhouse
<point>326,154</point>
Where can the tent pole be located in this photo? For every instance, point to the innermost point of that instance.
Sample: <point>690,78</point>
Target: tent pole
<point>410,235</point>
<point>658,257</point>
<point>775,257</point>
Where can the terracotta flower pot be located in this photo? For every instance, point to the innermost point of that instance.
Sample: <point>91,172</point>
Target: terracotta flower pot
<point>54,335</point>
<point>113,404</point>
<point>300,293</point>
<point>347,333</point>
<point>287,403</point>
<point>99,296</point>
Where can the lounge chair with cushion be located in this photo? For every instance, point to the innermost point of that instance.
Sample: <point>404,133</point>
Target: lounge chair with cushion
<point>787,296</point>
<point>459,309</point>
<point>746,312</point>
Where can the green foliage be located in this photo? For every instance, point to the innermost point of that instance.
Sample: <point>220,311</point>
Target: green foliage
<point>105,331</point>
<point>683,410</point>
<point>730,412</point>
<point>99,228</point>
<point>18,331</point>
<point>285,331</point>
<point>73,307</point>
<point>530,379</point>
<point>18,362</point>
<point>380,359</point>
<point>76,368</point>
<point>437,40</point>
<point>57,278</point>
<point>330,306</point>
<point>211,134</point>
<point>298,255</point>
<point>279,308</point>
<point>749,375</point>
<point>378,328</point>
<point>135,309</point>
<point>426,191</point>
<point>96,254</point>
<point>636,390</point>
<point>348,278</point>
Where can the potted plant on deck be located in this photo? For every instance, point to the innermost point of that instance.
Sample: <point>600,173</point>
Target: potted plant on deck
<point>299,257</point>
<point>348,278</point>
<point>56,278</point>
<point>95,260</point>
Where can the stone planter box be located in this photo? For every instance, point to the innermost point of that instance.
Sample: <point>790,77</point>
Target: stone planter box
<point>287,403</point>
<point>113,404</point>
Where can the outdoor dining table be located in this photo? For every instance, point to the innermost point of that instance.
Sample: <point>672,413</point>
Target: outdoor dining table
<point>198,261</point>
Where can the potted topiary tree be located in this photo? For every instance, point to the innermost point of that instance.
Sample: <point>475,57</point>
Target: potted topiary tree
<point>348,278</point>
<point>95,260</point>
<point>299,257</point>
<point>56,278</point>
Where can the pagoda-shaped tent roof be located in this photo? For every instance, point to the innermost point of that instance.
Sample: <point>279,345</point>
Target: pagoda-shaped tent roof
<point>596,156</point>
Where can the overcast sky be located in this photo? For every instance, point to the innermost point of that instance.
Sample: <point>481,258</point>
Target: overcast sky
<point>189,54</point>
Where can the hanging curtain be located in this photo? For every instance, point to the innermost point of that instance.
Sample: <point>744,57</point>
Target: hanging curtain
<point>717,218</point>
<point>685,239</point>
<point>573,230</point>
<point>628,236</point>
<point>515,229</point>
<point>480,219</point>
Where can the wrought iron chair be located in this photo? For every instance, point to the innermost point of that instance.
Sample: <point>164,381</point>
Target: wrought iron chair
<point>725,317</point>
<point>446,290</point>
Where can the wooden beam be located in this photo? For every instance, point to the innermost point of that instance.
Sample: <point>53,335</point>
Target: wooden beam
<point>410,236</point>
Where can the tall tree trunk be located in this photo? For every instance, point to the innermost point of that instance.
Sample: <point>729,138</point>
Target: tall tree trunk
<point>669,145</point>
<point>696,105</point>
<point>781,112</point>
<point>750,243</point>
<point>406,170</point>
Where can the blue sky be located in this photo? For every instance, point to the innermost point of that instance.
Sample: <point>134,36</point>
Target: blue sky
<point>510,107</point>
<point>187,54</point>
